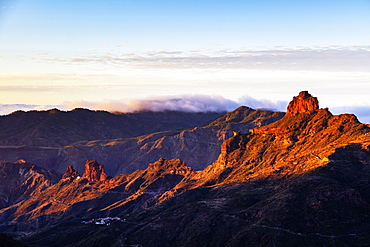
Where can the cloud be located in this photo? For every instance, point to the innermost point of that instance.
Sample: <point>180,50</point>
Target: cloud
<point>187,103</point>
<point>263,104</point>
<point>349,58</point>
<point>41,54</point>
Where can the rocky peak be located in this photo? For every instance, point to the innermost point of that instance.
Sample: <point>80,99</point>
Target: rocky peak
<point>303,103</point>
<point>94,172</point>
<point>71,173</point>
<point>174,166</point>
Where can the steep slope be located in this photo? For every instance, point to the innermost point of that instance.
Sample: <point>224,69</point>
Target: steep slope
<point>300,181</point>
<point>94,194</point>
<point>299,142</point>
<point>124,155</point>
<point>55,139</point>
<point>21,180</point>
<point>128,155</point>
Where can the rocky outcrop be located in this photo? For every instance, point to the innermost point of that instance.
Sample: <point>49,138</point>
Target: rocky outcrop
<point>159,176</point>
<point>94,172</point>
<point>123,193</point>
<point>303,103</point>
<point>71,173</point>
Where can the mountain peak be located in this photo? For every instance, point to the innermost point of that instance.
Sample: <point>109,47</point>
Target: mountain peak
<point>94,172</point>
<point>303,103</point>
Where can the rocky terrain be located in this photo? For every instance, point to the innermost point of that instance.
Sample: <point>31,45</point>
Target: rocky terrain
<point>70,138</point>
<point>302,180</point>
<point>21,180</point>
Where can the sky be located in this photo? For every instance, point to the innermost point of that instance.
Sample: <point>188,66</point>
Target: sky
<point>125,55</point>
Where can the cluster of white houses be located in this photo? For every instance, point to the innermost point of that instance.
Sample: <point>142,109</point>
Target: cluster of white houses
<point>103,221</point>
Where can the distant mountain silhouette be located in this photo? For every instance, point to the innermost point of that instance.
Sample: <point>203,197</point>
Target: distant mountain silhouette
<point>55,128</point>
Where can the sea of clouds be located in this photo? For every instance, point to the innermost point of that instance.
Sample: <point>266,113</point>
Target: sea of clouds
<point>187,103</point>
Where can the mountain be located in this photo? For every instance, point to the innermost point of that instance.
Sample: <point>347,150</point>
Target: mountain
<point>21,179</point>
<point>126,155</point>
<point>70,138</point>
<point>94,194</point>
<point>55,128</point>
<point>302,180</point>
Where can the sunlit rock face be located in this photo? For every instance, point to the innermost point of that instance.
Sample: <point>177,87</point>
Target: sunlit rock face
<point>71,173</point>
<point>94,172</point>
<point>303,103</point>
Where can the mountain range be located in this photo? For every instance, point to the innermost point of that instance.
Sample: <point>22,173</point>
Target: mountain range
<point>247,178</point>
<point>123,142</point>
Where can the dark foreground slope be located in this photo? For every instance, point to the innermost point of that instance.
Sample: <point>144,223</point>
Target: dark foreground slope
<point>300,181</point>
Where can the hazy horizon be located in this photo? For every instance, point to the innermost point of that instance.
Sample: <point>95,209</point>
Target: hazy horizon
<point>186,103</point>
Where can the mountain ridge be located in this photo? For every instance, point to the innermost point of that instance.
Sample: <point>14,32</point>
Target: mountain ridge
<point>302,180</point>
<point>125,155</point>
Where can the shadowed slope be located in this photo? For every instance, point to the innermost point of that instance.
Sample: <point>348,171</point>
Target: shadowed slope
<point>300,181</point>
<point>55,139</point>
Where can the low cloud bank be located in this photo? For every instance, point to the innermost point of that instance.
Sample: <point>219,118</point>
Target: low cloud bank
<point>263,104</point>
<point>187,103</point>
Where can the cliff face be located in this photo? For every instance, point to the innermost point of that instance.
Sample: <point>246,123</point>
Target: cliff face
<point>303,140</point>
<point>303,103</point>
<point>300,181</point>
<point>94,172</point>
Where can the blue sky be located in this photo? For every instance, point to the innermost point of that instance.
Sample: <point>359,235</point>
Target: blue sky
<point>104,54</point>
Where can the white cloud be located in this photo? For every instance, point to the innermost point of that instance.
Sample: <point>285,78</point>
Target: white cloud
<point>264,104</point>
<point>187,103</point>
<point>350,58</point>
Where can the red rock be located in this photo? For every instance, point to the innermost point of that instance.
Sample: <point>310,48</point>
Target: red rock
<point>303,103</point>
<point>71,173</point>
<point>94,172</point>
